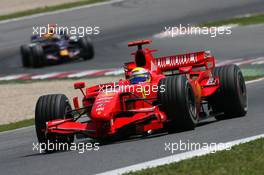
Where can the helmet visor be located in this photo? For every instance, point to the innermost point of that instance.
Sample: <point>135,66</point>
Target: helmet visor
<point>136,80</point>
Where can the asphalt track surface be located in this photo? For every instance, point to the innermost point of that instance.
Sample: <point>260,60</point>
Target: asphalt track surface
<point>130,20</point>
<point>123,22</point>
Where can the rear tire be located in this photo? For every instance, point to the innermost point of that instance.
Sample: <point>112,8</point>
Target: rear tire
<point>38,56</point>
<point>25,54</point>
<point>231,98</point>
<point>51,107</point>
<point>87,49</point>
<point>178,102</point>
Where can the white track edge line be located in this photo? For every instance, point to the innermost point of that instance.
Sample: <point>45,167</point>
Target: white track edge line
<point>178,157</point>
<point>60,11</point>
<point>255,81</point>
<point>15,130</point>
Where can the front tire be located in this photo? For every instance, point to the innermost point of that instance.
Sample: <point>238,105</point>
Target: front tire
<point>178,102</point>
<point>51,107</point>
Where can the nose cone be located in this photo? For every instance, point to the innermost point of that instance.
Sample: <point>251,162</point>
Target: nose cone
<point>105,105</point>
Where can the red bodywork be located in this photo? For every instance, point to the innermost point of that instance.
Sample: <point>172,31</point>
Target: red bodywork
<point>112,109</point>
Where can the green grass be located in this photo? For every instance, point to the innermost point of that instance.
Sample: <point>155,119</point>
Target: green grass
<point>248,78</point>
<point>254,19</point>
<point>244,159</point>
<point>48,9</point>
<point>252,73</point>
<point>15,125</point>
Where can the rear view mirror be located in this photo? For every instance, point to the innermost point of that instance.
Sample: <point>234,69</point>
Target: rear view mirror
<point>210,64</point>
<point>79,85</point>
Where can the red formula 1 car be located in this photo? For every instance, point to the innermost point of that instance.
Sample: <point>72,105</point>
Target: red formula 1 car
<point>183,90</point>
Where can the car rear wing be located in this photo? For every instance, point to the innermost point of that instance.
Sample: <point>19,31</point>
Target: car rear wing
<point>183,63</point>
<point>193,60</point>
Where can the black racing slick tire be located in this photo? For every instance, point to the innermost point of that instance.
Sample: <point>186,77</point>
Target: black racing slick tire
<point>51,107</point>
<point>38,56</point>
<point>25,54</point>
<point>177,100</point>
<point>86,48</point>
<point>231,98</point>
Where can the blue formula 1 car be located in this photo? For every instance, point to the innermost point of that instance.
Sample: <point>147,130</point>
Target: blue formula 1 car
<point>54,49</point>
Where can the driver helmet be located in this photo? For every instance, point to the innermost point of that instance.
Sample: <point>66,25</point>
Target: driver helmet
<point>139,75</point>
<point>51,31</point>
